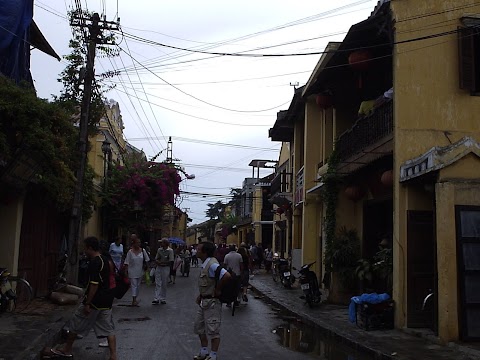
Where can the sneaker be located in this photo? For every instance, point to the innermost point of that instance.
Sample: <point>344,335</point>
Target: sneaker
<point>163,302</point>
<point>155,302</point>
<point>103,343</point>
<point>200,357</point>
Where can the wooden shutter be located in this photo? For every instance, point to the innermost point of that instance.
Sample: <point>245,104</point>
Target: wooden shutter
<point>466,52</point>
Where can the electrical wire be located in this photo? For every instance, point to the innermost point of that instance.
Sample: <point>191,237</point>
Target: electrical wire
<point>198,117</point>
<point>160,147</point>
<point>228,81</point>
<point>146,95</point>
<point>302,21</point>
<point>142,125</point>
<point>206,142</point>
<point>200,100</point>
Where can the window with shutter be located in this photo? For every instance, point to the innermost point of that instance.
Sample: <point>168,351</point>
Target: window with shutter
<point>469,58</point>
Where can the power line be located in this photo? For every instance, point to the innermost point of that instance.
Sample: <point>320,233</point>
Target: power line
<point>242,54</point>
<point>206,142</point>
<point>198,117</point>
<point>420,16</point>
<point>160,147</point>
<point>198,99</point>
<point>151,109</point>
<point>228,81</point>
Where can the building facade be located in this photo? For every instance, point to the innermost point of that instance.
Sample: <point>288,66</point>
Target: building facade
<point>390,113</point>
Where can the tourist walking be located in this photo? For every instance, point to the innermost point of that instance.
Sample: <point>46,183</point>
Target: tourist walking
<point>116,252</point>
<point>135,264</point>
<point>209,314</point>
<point>245,270</point>
<point>163,259</point>
<point>233,260</point>
<point>194,256</point>
<point>96,308</point>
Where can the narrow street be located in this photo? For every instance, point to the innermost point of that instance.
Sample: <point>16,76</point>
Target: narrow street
<point>257,330</point>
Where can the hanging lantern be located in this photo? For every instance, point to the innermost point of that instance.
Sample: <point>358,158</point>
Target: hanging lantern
<point>323,101</point>
<point>387,178</point>
<point>280,211</point>
<point>354,192</point>
<point>359,60</point>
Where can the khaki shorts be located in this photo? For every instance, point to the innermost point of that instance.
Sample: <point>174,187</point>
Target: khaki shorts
<point>100,320</point>
<point>209,318</point>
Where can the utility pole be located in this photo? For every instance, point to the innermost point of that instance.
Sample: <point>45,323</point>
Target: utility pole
<point>95,26</point>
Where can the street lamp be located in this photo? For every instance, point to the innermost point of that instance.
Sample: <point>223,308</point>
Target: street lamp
<point>107,151</point>
<point>107,154</point>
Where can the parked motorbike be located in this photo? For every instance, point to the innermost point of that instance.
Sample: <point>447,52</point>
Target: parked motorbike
<point>282,272</point>
<point>309,284</point>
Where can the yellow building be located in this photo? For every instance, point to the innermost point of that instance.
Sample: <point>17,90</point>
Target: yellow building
<point>281,189</point>
<point>398,98</point>
<point>107,147</point>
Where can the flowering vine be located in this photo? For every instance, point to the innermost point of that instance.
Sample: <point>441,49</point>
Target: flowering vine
<point>140,191</point>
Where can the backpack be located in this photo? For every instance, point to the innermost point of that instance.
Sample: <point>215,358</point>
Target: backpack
<point>122,283</point>
<point>230,289</point>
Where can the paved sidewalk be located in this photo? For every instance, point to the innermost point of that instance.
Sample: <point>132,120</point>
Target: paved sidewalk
<point>24,335</point>
<point>333,319</point>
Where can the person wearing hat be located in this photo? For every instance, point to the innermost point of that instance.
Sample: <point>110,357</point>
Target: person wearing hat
<point>163,259</point>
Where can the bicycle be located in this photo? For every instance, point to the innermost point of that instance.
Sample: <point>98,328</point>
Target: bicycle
<point>15,292</point>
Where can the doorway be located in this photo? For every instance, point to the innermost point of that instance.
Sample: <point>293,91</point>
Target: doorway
<point>468,260</point>
<point>421,270</point>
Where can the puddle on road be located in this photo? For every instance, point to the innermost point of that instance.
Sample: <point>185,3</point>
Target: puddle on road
<point>145,318</point>
<point>310,340</point>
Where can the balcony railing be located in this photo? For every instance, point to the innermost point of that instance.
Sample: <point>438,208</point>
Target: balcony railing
<point>366,131</point>
<point>299,188</point>
<point>280,183</point>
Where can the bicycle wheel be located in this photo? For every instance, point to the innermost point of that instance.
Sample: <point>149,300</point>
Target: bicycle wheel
<point>23,293</point>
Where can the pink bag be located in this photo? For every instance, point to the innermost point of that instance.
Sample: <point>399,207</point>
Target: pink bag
<point>177,263</point>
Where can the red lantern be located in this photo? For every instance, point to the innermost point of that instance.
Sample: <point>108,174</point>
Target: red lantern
<point>354,192</point>
<point>359,60</point>
<point>323,101</point>
<point>387,178</point>
<point>280,211</point>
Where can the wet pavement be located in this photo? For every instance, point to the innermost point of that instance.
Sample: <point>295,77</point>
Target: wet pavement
<point>274,324</point>
<point>24,334</point>
<point>259,330</point>
<point>307,339</point>
<point>333,323</point>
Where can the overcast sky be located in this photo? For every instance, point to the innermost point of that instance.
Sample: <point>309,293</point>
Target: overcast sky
<point>202,99</point>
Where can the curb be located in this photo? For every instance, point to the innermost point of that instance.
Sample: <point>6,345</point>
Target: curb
<point>51,336</point>
<point>329,331</point>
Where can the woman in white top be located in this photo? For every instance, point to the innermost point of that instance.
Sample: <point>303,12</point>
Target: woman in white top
<point>134,266</point>
<point>116,252</point>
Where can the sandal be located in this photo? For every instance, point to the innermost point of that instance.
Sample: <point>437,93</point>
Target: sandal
<point>56,354</point>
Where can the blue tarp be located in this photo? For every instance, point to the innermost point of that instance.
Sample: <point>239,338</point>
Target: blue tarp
<point>373,298</point>
<point>15,19</point>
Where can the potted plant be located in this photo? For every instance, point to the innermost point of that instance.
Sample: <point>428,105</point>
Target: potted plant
<point>343,257</point>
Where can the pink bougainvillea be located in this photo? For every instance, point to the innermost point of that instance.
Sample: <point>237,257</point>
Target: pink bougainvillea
<point>141,190</point>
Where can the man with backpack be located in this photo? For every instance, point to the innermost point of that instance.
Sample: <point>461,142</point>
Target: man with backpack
<point>209,314</point>
<point>96,309</point>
